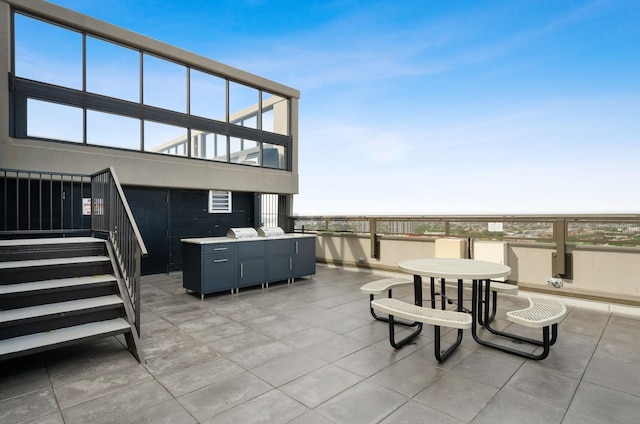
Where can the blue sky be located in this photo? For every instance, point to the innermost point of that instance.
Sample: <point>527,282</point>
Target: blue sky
<point>435,107</point>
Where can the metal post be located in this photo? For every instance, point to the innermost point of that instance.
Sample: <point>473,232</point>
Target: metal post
<point>560,236</point>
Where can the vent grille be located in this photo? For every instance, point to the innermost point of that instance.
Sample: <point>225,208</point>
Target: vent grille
<point>219,201</point>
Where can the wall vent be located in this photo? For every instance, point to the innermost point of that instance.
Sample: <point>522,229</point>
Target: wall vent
<point>219,201</point>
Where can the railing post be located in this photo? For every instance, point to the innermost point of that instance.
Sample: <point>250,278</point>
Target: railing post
<point>136,280</point>
<point>375,242</point>
<point>560,237</point>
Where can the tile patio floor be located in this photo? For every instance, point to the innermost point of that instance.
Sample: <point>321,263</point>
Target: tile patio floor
<point>310,352</point>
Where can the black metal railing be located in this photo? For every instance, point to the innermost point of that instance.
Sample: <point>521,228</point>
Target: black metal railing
<point>112,216</point>
<point>36,201</point>
<point>53,203</point>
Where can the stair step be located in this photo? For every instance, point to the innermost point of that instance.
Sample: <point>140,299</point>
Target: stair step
<point>57,284</point>
<point>49,241</point>
<point>37,342</point>
<point>52,262</point>
<point>33,313</point>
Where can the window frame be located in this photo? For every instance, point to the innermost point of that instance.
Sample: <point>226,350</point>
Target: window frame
<point>23,89</point>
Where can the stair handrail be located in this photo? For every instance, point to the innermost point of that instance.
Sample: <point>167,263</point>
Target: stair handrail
<point>111,215</point>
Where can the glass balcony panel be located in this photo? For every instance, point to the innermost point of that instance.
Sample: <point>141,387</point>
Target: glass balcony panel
<point>609,233</point>
<point>348,226</point>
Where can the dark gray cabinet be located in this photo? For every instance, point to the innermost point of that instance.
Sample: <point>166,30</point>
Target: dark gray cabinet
<point>214,266</point>
<point>304,259</point>
<point>280,260</point>
<point>252,263</point>
<point>209,268</point>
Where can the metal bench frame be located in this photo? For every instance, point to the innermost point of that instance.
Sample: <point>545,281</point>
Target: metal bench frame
<point>387,285</point>
<point>497,287</point>
<point>545,319</point>
<point>423,315</point>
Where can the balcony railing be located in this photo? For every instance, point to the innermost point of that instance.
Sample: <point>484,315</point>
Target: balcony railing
<point>111,215</point>
<point>612,230</point>
<point>594,256</point>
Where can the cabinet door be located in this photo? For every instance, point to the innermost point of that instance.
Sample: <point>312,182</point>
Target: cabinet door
<point>218,273</point>
<point>251,272</point>
<point>280,268</point>
<point>304,256</point>
<point>251,249</point>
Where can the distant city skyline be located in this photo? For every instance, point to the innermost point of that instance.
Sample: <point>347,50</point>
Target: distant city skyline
<point>434,107</point>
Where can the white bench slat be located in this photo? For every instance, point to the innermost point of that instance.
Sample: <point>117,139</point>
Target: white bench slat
<point>497,287</point>
<point>542,312</point>
<point>505,288</point>
<point>408,311</point>
<point>382,286</point>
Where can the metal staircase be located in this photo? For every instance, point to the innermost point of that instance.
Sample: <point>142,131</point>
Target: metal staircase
<point>59,291</point>
<point>70,254</point>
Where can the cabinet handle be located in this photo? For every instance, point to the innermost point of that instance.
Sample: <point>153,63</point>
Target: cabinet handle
<point>241,270</point>
<point>290,264</point>
<point>215,261</point>
<point>221,248</point>
<point>296,248</point>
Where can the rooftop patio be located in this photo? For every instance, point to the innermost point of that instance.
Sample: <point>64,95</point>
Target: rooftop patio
<point>310,352</point>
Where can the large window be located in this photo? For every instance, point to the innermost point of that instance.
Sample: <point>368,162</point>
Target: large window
<point>112,70</point>
<point>275,113</point>
<point>209,146</point>
<point>207,95</point>
<point>164,138</point>
<point>245,152</point>
<point>165,84</point>
<point>55,121</point>
<point>107,129</point>
<point>76,87</point>
<point>47,53</point>
<point>243,105</point>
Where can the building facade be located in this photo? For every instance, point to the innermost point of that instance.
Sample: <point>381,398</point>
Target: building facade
<point>198,146</point>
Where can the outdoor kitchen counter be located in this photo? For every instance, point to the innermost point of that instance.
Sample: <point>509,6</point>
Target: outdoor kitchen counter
<point>223,239</point>
<point>215,264</point>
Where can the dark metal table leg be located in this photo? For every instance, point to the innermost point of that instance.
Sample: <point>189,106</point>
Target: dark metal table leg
<point>545,343</point>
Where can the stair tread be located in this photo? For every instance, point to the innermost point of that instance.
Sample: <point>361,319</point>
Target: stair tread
<point>47,241</point>
<point>58,307</point>
<point>63,335</point>
<point>54,284</point>
<point>52,261</point>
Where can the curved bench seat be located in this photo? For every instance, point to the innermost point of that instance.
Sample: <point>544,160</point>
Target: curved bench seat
<point>385,285</point>
<point>541,312</point>
<point>422,315</point>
